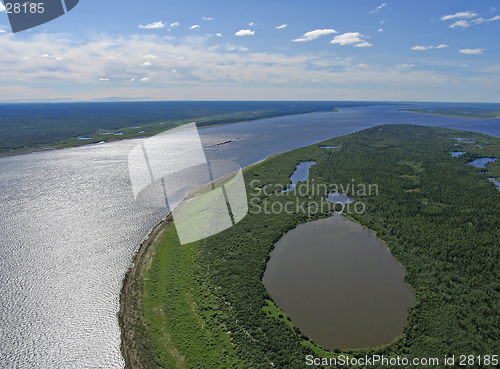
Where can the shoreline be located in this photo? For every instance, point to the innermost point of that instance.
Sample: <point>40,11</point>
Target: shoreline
<point>447,115</point>
<point>27,151</point>
<point>130,307</point>
<point>130,312</point>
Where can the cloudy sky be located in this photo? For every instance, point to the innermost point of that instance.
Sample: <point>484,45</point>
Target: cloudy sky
<point>439,50</point>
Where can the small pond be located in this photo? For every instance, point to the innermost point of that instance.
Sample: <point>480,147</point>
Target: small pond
<point>481,162</point>
<point>496,182</point>
<point>300,174</point>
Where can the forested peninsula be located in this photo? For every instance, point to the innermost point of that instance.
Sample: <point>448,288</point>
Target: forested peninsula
<point>203,305</point>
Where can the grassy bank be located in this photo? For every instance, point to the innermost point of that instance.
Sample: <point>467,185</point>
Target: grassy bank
<point>203,305</point>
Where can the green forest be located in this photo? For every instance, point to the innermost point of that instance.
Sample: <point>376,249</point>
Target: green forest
<point>203,305</point>
<point>460,112</point>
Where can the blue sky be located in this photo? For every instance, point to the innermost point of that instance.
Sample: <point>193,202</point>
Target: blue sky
<point>446,50</point>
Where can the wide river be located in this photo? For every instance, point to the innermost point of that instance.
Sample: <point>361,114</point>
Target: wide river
<point>69,228</point>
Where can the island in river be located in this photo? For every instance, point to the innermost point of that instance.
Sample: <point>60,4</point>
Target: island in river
<point>204,304</point>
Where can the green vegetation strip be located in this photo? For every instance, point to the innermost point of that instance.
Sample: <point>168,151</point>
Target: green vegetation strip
<point>203,305</point>
<point>476,113</point>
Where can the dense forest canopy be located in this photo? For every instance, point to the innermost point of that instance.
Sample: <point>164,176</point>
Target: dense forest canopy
<point>203,305</point>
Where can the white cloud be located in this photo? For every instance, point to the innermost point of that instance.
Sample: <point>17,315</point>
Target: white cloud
<point>471,51</point>
<point>174,71</point>
<point>380,30</point>
<point>2,30</point>
<point>145,79</point>
<point>219,34</point>
<point>147,64</point>
<point>482,20</point>
<point>203,69</point>
<point>150,57</point>
<point>378,8</point>
<point>207,19</point>
<point>194,26</point>
<point>244,32</point>
<point>312,35</point>
<point>242,48</point>
<point>2,8</point>
<point>350,38</point>
<point>363,44</point>
<point>282,26</point>
<point>251,23</point>
<point>103,79</point>
<point>466,15</point>
<point>442,46</point>
<point>460,23</point>
<point>132,79</point>
<point>154,25</point>
<point>173,25</point>
<point>51,57</point>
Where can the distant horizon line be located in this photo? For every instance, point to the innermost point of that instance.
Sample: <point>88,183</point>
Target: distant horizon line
<point>3,102</point>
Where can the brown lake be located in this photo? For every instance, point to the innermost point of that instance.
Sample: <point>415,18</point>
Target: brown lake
<point>339,283</point>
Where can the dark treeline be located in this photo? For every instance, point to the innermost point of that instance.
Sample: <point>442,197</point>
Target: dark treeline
<point>439,217</point>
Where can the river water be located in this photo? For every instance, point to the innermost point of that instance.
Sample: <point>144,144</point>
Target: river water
<point>69,228</point>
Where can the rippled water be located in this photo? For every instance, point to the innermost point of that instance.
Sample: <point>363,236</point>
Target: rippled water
<point>69,229</point>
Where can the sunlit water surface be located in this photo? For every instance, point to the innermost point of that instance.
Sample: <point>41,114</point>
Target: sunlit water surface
<point>69,228</point>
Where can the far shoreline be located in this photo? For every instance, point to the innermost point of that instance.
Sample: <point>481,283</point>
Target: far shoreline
<point>437,114</point>
<point>26,151</point>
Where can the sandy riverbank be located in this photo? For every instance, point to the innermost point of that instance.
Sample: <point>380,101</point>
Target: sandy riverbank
<point>130,315</point>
